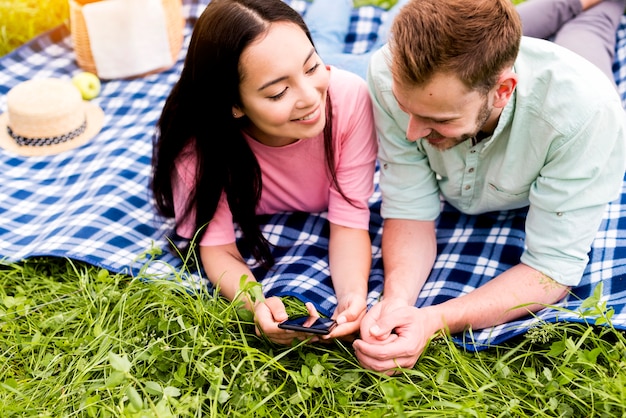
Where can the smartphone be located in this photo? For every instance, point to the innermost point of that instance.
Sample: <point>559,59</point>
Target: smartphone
<point>320,326</point>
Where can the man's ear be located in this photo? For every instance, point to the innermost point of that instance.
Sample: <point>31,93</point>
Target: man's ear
<point>504,88</point>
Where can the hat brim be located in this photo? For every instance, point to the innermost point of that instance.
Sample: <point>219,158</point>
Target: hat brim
<point>94,117</point>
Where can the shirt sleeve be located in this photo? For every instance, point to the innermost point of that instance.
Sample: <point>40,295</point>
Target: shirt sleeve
<point>407,183</point>
<point>355,150</point>
<point>569,198</point>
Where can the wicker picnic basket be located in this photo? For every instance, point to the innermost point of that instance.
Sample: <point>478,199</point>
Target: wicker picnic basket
<point>80,38</point>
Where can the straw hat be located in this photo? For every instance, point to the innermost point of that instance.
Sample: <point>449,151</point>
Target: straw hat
<point>47,116</point>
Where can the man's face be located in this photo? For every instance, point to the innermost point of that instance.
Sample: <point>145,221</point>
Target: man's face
<point>445,112</point>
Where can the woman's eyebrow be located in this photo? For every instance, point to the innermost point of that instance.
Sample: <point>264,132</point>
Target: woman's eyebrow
<point>308,57</point>
<point>279,79</point>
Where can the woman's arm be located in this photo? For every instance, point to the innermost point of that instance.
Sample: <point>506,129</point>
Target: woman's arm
<point>224,267</point>
<point>350,257</point>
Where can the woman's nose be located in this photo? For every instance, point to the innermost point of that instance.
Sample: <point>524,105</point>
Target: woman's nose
<point>309,94</point>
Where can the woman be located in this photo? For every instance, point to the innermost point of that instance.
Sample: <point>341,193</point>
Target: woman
<point>257,124</point>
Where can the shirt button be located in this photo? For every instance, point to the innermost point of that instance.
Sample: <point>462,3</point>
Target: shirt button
<point>471,170</point>
<point>472,151</point>
<point>385,166</point>
<point>559,214</point>
<point>467,187</point>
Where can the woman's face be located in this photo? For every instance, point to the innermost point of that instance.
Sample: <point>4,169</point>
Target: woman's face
<point>284,86</point>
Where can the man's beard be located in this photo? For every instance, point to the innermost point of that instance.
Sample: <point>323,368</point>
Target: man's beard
<point>481,120</point>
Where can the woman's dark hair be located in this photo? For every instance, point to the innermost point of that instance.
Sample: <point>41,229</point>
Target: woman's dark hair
<point>197,113</point>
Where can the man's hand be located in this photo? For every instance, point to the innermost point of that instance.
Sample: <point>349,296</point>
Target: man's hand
<point>394,335</point>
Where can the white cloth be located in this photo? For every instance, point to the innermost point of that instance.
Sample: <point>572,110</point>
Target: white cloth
<point>127,37</point>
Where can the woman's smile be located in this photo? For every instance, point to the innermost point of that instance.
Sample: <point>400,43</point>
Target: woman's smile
<point>311,117</point>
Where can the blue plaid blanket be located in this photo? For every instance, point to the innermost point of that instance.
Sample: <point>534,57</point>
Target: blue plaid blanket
<point>93,203</point>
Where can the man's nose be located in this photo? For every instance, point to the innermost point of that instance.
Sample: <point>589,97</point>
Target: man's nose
<point>417,129</point>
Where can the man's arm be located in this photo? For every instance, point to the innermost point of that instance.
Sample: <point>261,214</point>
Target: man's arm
<point>512,294</point>
<point>409,249</point>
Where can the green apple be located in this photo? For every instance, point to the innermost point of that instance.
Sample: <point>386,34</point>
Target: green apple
<point>88,84</point>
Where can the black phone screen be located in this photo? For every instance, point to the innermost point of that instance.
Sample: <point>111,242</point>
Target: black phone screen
<point>320,326</point>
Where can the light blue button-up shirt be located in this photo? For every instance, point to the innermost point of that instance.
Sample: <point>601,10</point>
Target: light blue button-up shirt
<point>559,148</point>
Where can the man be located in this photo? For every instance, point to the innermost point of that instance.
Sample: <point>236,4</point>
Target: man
<point>469,110</point>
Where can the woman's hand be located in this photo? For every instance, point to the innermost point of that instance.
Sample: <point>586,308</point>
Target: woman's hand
<point>351,309</point>
<point>271,312</point>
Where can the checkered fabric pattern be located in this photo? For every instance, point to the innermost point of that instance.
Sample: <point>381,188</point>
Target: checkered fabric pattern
<point>93,203</point>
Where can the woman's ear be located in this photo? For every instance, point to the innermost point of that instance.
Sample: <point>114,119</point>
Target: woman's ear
<point>505,88</point>
<point>237,112</point>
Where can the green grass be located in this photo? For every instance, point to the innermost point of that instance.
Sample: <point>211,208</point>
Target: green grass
<point>22,20</point>
<point>76,340</point>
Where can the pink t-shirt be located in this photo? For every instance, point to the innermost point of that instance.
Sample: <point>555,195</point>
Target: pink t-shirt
<point>295,177</point>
